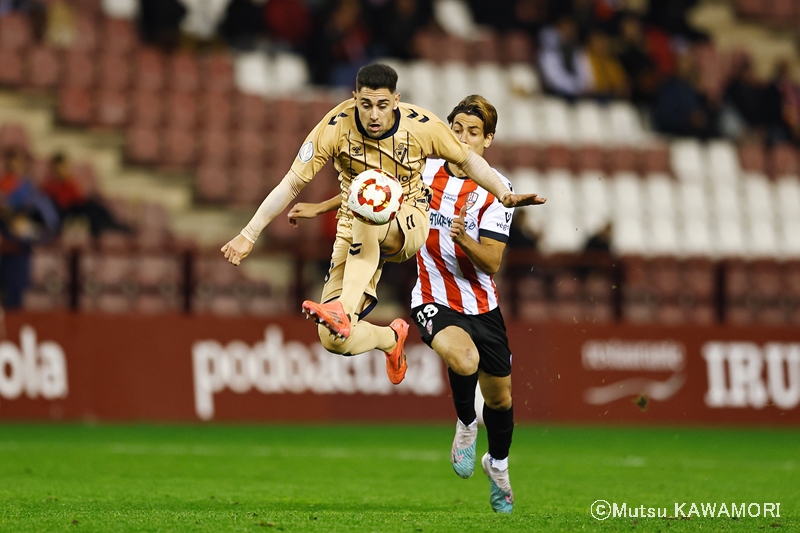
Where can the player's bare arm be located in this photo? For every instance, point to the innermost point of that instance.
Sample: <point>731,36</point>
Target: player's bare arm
<point>306,210</point>
<point>486,254</point>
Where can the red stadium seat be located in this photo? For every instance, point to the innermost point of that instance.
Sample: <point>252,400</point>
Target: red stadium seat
<point>655,158</point>
<point>119,36</point>
<point>566,286</point>
<point>250,112</point>
<point>484,49</point>
<point>534,310</point>
<point>248,186</point>
<point>178,148</point>
<point>213,182</point>
<point>88,7</point>
<point>85,176</point>
<point>249,148</point>
<point>15,31</point>
<point>428,45</point>
<point>181,110</point>
<point>622,159</point>
<point>111,108</point>
<point>557,157</point>
<point>216,110</point>
<point>590,158</point>
<point>86,33</point>
<point>14,135</point>
<point>42,67</point>
<point>215,147</point>
<point>218,73</point>
<point>115,71</point>
<point>79,69</point>
<point>285,117</point>
<point>143,145</point>
<point>522,156</point>
<point>12,73</point>
<point>75,106</point>
<point>147,109</point>
<point>517,47</point>
<point>184,73</point>
<point>455,49</point>
<point>153,270</point>
<point>149,75</point>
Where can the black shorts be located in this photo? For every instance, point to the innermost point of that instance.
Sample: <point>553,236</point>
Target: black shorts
<point>487,330</point>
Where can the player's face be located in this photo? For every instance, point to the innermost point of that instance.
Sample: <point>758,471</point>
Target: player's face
<point>376,109</point>
<point>469,130</point>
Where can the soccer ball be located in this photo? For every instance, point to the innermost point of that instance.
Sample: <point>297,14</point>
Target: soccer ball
<point>375,197</point>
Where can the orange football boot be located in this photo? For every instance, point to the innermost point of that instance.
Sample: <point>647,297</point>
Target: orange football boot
<point>396,365</point>
<point>331,315</point>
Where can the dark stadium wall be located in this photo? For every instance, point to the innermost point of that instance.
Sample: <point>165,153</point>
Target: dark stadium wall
<point>81,366</point>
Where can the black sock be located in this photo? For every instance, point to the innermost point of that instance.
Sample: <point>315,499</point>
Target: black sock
<point>499,429</point>
<point>463,388</point>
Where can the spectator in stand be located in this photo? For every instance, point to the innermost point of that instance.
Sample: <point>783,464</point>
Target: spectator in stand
<point>564,65</point>
<point>160,20</point>
<point>744,103</point>
<point>783,103</point>
<point>339,44</point>
<point>670,15</point>
<point>395,24</point>
<point>600,242</point>
<point>27,218</point>
<point>288,21</point>
<point>608,77</point>
<point>63,188</point>
<point>521,236</point>
<point>246,23</point>
<point>680,107</point>
<point>636,61</point>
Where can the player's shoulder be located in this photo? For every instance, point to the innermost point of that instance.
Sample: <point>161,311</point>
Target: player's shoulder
<point>415,118</point>
<point>505,180</point>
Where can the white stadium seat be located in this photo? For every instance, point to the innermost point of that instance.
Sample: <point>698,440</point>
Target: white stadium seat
<point>725,201</point>
<point>722,161</point>
<point>660,195</point>
<point>524,125</point>
<point>522,79</point>
<point>561,193</point>
<point>789,239</point>
<point>627,193</point>
<point>662,237</point>
<point>588,123</point>
<point>290,73</point>
<point>253,73</point>
<point>728,239</point>
<point>624,127</point>
<point>787,198</point>
<point>756,196</point>
<point>687,160</point>
<point>561,233</point>
<point>694,236</point>
<point>594,200</point>
<point>692,200</point>
<point>557,126</point>
<point>628,235</point>
<point>760,238</point>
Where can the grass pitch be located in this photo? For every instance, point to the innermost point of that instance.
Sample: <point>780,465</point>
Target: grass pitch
<point>383,478</point>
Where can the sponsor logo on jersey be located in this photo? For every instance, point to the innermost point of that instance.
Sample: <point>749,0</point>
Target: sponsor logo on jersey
<point>306,152</point>
<point>356,150</point>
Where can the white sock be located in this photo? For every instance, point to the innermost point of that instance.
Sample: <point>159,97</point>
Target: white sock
<point>500,464</point>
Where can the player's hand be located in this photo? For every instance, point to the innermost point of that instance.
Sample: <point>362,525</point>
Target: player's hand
<point>237,249</point>
<point>301,210</point>
<point>520,200</point>
<point>459,228</point>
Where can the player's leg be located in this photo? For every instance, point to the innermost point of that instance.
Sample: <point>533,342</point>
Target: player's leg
<point>498,412</point>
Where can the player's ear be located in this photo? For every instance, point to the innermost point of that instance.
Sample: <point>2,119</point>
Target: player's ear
<point>487,141</point>
<point>355,97</point>
<point>396,100</point>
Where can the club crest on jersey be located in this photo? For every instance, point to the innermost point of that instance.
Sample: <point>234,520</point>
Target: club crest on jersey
<point>306,152</point>
<point>400,152</point>
<point>429,327</point>
<point>472,199</point>
<point>356,150</point>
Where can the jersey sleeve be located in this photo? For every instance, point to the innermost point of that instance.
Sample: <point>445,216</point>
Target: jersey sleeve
<point>496,220</point>
<point>319,145</point>
<point>436,139</point>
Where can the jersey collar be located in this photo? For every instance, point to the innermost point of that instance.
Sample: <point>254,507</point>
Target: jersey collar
<point>450,172</point>
<point>386,135</point>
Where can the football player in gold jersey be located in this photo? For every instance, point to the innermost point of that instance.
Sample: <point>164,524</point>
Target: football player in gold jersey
<point>373,130</point>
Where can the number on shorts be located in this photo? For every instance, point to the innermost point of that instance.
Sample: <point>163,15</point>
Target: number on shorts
<point>410,221</point>
<point>425,313</point>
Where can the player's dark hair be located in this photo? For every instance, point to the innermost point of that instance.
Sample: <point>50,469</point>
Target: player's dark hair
<point>376,76</point>
<point>477,106</point>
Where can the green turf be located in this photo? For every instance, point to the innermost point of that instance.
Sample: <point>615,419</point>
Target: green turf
<point>381,478</point>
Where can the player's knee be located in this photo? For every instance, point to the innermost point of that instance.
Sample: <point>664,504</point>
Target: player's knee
<point>463,361</point>
<point>500,401</point>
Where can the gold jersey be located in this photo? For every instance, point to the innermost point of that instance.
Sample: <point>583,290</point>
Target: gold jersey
<point>417,134</point>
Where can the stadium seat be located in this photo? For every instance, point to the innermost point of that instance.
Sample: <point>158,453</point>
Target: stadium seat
<point>181,110</point>
<point>215,146</point>
<point>589,124</point>
<point>516,48</point>
<point>722,161</point>
<point>178,148</point>
<point>789,239</point>
<point>43,68</point>
<point>728,238</point>
<point>627,193</point>
<point>143,145</point>
<point>752,157</point>
<point>247,186</point>
<point>687,160</point>
<point>655,157</point>
<point>16,33</point>
<point>290,73</point>
<point>252,72</point>
<point>14,135</point>
<point>557,157</point>
<point>455,49</point>
<point>760,238</point>
<point>147,109</point>
<point>491,83</point>
<point>86,33</point>
<point>561,233</point>
<point>249,148</point>
<point>12,70</point>
<point>149,70</point>
<point>661,236</point>
<point>218,73</point>
<point>111,108</point>
<point>78,69</point>
<point>659,190</point>
<point>757,194</point>
<point>213,182</point>
<point>525,125</point>
<point>725,201</point>
<point>787,198</point>
<point>183,74</point>
<point>74,106</point>
<point>589,158</point>
<point>628,234</point>
<point>624,127</point>
<point>250,112</point>
<point>556,121</point>
<point>115,71</point>
<point>522,80</point>
<point>593,199</point>
<point>119,36</point>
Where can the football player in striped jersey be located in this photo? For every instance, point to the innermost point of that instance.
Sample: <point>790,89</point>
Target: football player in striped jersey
<point>455,303</point>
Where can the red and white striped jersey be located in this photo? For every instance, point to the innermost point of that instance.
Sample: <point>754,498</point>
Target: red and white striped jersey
<point>445,275</point>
